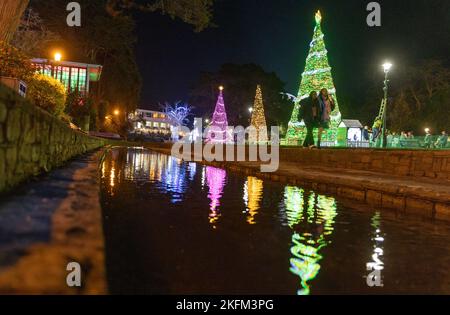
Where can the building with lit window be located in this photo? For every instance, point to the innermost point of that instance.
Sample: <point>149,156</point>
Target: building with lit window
<point>75,76</point>
<point>150,122</point>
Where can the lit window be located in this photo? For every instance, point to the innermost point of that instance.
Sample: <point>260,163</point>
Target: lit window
<point>82,80</point>
<point>65,76</point>
<point>74,79</point>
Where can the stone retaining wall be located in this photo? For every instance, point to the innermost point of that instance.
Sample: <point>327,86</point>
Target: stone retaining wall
<point>33,141</point>
<point>432,164</point>
<point>419,163</point>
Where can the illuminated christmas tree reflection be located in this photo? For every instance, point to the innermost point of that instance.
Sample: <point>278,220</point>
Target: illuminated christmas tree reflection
<point>216,179</point>
<point>312,217</point>
<point>168,173</point>
<point>253,193</point>
<point>376,266</point>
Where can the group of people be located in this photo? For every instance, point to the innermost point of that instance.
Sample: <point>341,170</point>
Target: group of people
<point>440,143</point>
<point>406,138</point>
<point>316,113</point>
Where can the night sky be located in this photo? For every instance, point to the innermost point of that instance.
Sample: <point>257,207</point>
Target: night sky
<point>276,35</point>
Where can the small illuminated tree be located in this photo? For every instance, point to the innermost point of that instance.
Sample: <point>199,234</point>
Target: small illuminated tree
<point>218,131</point>
<point>178,114</point>
<point>258,119</point>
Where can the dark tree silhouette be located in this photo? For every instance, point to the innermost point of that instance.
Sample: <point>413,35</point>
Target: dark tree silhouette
<point>240,83</point>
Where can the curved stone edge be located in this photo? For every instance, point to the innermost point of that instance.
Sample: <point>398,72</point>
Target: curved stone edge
<point>76,236</point>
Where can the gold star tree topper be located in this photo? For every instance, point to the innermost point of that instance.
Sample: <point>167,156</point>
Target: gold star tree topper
<point>318,17</point>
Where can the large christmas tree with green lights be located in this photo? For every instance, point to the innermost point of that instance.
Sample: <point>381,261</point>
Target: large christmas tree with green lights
<point>317,75</point>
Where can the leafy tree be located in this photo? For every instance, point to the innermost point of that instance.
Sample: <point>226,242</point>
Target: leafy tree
<point>14,63</point>
<point>423,81</point>
<point>240,82</point>
<point>47,93</point>
<point>79,107</point>
<point>421,98</point>
<point>32,35</point>
<point>195,12</point>
<point>107,37</point>
<point>102,39</point>
<point>10,13</point>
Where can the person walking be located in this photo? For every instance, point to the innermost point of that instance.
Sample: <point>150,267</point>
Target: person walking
<point>309,114</point>
<point>327,105</point>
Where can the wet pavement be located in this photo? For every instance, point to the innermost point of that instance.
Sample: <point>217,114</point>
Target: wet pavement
<point>48,223</point>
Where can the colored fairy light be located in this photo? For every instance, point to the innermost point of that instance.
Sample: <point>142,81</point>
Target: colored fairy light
<point>317,75</point>
<point>318,213</point>
<point>253,194</point>
<point>216,179</point>
<point>218,130</point>
<point>258,118</point>
<point>318,17</point>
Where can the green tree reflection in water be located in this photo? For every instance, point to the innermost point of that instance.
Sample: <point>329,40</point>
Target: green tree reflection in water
<point>312,217</point>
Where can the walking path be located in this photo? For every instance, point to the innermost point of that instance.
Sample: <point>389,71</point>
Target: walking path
<point>49,223</point>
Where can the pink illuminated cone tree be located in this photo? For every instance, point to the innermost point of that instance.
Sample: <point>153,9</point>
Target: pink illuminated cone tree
<point>218,130</point>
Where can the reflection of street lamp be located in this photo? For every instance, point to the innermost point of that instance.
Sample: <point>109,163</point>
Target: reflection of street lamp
<point>387,67</point>
<point>116,112</point>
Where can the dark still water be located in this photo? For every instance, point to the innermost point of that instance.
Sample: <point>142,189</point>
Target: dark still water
<point>183,228</point>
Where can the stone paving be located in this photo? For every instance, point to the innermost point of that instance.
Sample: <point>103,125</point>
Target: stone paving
<point>49,223</point>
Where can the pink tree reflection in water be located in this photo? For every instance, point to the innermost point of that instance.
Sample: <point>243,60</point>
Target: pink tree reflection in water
<point>216,179</point>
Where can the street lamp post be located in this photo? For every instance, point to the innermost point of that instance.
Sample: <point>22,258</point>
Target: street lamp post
<point>387,67</point>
